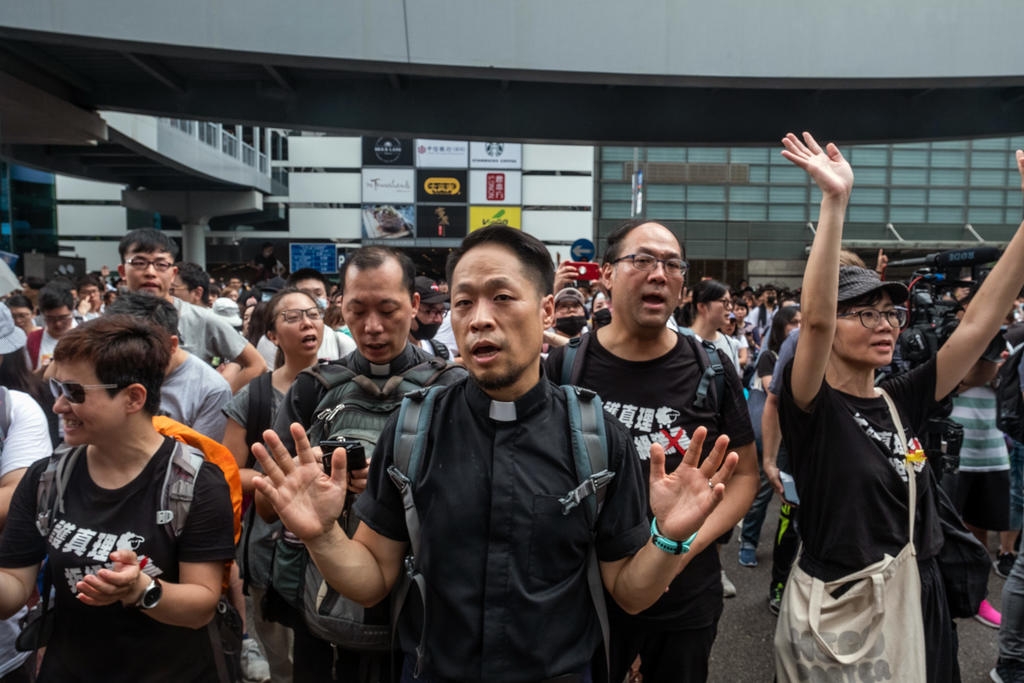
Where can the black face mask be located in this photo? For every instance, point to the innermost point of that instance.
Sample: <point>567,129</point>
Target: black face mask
<point>571,325</point>
<point>425,331</point>
<point>770,301</point>
<point>602,318</point>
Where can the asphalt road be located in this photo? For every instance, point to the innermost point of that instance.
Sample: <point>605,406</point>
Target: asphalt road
<point>743,648</point>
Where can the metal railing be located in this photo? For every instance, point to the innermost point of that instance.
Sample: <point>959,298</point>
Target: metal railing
<point>214,135</point>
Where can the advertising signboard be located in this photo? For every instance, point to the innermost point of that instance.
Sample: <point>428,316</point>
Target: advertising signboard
<point>389,185</point>
<point>495,187</point>
<point>388,221</point>
<point>482,216</point>
<point>495,155</point>
<point>442,153</point>
<point>441,186</point>
<point>387,151</point>
<point>440,221</point>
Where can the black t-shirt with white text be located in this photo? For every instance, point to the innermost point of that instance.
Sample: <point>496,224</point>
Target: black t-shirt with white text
<point>654,400</point>
<point>848,463</point>
<point>115,643</point>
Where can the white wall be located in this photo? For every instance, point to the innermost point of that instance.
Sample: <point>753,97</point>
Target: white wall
<point>558,157</point>
<point>325,223</point>
<point>89,190</point>
<point>546,190</point>
<point>96,254</point>
<point>324,187</point>
<point>324,152</point>
<point>90,221</point>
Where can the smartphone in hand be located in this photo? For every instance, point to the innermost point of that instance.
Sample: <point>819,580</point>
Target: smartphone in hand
<point>355,454</point>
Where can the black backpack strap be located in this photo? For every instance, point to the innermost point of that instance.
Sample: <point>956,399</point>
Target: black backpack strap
<point>572,359</point>
<point>440,350</point>
<point>411,432</point>
<point>261,411</point>
<point>52,484</point>
<point>590,455</point>
<point>714,372</point>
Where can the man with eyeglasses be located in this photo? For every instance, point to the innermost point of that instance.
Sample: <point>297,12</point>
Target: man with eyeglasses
<point>648,375</point>
<point>57,303</point>
<point>429,317</point>
<point>147,265</point>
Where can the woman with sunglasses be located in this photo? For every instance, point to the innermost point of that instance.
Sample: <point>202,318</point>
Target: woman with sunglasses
<point>849,461</point>
<point>295,325</point>
<point>130,598</point>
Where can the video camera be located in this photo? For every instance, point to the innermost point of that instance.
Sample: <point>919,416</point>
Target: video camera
<point>934,307</point>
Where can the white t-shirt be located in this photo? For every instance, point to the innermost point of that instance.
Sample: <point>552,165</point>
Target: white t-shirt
<point>27,440</point>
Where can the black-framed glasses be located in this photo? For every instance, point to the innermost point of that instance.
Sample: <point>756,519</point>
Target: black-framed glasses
<point>142,264</point>
<point>646,263</point>
<point>294,315</point>
<point>727,302</point>
<point>74,392</point>
<point>871,318</point>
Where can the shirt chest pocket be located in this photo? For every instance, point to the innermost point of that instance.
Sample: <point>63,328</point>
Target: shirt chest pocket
<point>559,543</point>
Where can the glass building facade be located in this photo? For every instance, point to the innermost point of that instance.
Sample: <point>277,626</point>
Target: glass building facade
<point>737,207</point>
<point>28,213</point>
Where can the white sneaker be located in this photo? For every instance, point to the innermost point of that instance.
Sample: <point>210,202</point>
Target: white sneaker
<point>254,665</point>
<point>728,587</point>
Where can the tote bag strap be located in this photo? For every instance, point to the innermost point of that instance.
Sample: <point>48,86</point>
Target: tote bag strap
<point>911,474</point>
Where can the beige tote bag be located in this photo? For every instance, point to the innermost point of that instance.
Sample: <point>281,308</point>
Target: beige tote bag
<point>872,630</point>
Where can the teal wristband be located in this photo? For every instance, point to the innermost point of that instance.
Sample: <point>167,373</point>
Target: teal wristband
<point>667,544</point>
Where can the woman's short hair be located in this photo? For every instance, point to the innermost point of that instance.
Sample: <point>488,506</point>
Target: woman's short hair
<point>123,350</point>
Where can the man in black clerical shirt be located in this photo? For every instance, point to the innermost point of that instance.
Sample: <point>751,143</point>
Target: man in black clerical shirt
<point>507,598</point>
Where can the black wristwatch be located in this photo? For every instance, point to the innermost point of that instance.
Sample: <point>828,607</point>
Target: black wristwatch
<point>151,594</point>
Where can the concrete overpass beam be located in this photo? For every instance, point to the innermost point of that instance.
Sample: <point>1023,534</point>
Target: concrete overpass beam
<point>193,209</point>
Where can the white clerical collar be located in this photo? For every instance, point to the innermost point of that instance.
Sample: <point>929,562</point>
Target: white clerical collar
<point>503,411</point>
<point>380,370</point>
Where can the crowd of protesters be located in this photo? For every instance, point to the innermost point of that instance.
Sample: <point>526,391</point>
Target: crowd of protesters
<point>793,374</point>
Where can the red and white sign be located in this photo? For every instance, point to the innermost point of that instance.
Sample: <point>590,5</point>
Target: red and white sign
<point>495,187</point>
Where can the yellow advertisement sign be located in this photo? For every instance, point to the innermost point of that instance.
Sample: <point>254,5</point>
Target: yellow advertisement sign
<point>482,216</point>
<point>442,186</point>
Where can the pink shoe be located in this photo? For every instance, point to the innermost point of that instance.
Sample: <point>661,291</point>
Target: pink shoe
<point>988,615</point>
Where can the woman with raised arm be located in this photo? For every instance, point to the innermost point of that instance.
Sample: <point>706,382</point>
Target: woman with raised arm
<point>847,455</point>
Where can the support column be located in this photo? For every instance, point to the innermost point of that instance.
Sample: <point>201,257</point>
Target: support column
<point>193,240</point>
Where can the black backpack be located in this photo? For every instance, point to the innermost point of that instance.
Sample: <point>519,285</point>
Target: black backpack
<point>1009,399</point>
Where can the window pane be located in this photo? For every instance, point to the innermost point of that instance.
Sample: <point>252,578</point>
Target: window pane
<point>705,212</point>
<point>748,212</point>
<point>906,214</point>
<point>666,210</point>
<point>903,196</point>
<point>909,176</point>
<point>787,212</point>
<point>946,198</point>
<point>867,214</point>
<point>748,194</point>
<point>667,154</point>
<point>705,193</point>
<point>945,215</point>
<point>909,157</point>
<point>868,156</point>
<point>665,193</point>
<point>984,216</point>
<point>743,155</point>
<point>705,155</point>
<point>948,177</point>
